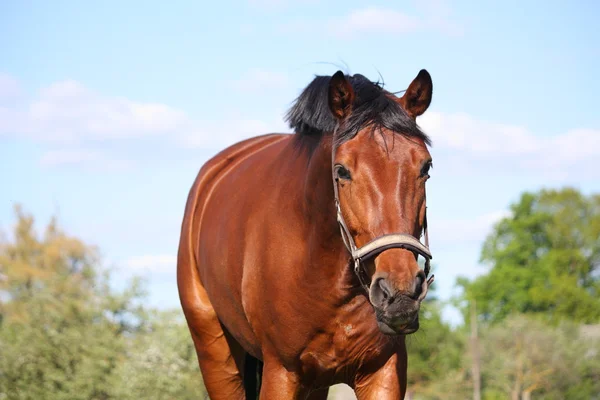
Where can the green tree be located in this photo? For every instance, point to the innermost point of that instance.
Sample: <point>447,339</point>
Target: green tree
<point>160,361</point>
<point>65,334</point>
<point>436,356</point>
<point>526,358</point>
<point>544,259</point>
<point>60,321</point>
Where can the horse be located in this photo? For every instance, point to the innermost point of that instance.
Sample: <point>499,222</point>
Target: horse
<point>298,262</point>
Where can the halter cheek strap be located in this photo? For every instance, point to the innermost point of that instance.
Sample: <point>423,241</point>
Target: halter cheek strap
<point>379,244</point>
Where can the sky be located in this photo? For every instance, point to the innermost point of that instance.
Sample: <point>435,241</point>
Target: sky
<point>109,109</point>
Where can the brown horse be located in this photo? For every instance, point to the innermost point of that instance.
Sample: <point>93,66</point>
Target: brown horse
<point>297,262</point>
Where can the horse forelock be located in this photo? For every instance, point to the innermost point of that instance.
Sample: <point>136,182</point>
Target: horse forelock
<point>373,107</point>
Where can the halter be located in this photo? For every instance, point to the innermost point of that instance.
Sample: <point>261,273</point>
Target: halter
<point>380,243</point>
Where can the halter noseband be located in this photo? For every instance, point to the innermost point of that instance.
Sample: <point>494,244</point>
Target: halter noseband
<point>380,243</point>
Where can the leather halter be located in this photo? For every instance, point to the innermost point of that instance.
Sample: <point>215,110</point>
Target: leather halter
<point>380,243</point>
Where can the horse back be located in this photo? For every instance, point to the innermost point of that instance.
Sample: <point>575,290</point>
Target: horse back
<point>207,244</point>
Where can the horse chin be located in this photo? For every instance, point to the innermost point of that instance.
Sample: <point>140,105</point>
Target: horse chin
<point>391,329</point>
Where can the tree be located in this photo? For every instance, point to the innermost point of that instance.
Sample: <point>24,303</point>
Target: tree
<point>60,321</point>
<point>160,361</point>
<point>436,356</point>
<point>544,259</point>
<point>65,334</point>
<point>526,358</point>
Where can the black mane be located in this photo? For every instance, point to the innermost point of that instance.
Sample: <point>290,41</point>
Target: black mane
<point>373,107</point>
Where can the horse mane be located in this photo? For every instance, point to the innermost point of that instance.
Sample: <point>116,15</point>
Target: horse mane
<point>311,118</point>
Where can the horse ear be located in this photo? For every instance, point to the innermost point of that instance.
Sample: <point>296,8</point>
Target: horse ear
<point>341,96</point>
<point>417,97</point>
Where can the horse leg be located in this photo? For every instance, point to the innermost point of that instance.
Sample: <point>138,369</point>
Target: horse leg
<point>220,368</point>
<point>279,383</point>
<point>219,358</point>
<point>386,383</point>
<point>297,393</point>
<point>252,377</point>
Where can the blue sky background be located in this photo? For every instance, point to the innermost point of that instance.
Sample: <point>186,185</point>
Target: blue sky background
<point>108,109</point>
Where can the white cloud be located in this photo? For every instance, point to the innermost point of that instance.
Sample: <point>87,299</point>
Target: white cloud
<point>69,112</point>
<point>259,80</point>
<point>432,15</point>
<point>484,144</point>
<point>465,231</point>
<point>438,15</point>
<point>161,263</point>
<point>75,120</point>
<point>373,20</point>
<point>460,131</point>
<point>9,89</point>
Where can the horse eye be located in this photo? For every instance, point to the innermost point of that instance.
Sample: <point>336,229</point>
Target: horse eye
<point>342,172</point>
<point>425,169</point>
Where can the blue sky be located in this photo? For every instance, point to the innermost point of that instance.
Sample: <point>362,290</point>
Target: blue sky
<point>108,109</point>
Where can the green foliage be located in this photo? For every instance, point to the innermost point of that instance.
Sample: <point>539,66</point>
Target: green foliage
<point>544,259</point>
<point>161,361</point>
<point>543,283</point>
<point>436,357</point>
<point>435,353</point>
<point>524,357</point>
<point>65,334</point>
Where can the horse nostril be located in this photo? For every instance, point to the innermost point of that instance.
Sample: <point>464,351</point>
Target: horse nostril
<point>385,290</point>
<point>419,281</point>
<point>381,292</point>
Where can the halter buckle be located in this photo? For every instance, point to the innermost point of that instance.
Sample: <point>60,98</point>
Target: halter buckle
<point>358,271</point>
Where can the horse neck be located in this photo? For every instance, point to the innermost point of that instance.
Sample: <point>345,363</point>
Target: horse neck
<point>318,190</point>
<point>328,265</point>
<point>319,204</point>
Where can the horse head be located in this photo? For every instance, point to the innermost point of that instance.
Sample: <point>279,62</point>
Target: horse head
<point>380,166</point>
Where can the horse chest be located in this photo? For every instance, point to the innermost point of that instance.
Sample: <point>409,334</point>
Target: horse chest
<point>351,340</point>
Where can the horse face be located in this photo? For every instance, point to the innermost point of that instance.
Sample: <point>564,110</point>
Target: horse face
<point>381,177</point>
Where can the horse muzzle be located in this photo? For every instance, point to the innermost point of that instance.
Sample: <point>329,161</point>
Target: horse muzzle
<point>397,313</point>
<point>401,317</point>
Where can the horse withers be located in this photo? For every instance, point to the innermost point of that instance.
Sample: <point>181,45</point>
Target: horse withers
<point>297,265</point>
